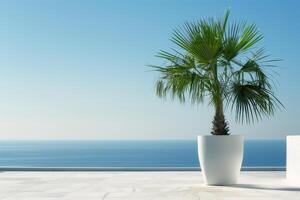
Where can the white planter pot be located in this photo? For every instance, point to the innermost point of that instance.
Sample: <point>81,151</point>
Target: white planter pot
<point>220,158</point>
<point>293,159</point>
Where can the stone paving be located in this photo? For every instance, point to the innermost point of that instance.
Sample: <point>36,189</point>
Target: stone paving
<point>141,186</point>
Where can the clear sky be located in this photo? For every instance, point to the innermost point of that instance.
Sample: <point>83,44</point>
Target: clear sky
<point>76,69</point>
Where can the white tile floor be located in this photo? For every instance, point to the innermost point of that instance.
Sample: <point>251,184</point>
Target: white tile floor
<point>141,186</point>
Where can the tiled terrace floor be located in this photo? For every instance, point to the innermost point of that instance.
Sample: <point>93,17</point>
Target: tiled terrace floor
<point>267,185</point>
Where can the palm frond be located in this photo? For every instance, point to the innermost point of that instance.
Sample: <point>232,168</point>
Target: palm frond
<point>219,59</point>
<point>251,101</point>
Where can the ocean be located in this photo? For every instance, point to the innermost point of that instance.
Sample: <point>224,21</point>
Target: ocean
<point>158,153</point>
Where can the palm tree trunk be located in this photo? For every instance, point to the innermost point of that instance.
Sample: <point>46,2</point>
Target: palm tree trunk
<point>220,126</point>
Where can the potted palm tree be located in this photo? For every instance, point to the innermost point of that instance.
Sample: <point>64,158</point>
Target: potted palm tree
<point>219,62</point>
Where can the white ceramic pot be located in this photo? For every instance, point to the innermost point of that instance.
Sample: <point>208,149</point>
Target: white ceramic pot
<point>220,158</point>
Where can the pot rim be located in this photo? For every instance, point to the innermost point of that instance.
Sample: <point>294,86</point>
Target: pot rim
<point>199,136</point>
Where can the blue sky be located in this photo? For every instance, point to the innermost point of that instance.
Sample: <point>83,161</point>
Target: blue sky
<point>76,69</point>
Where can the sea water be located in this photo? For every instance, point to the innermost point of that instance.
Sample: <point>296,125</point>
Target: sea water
<point>158,153</point>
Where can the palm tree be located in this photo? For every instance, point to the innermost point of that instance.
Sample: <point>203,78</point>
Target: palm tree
<point>220,62</point>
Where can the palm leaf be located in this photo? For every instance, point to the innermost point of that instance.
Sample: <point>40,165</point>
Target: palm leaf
<point>220,60</point>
